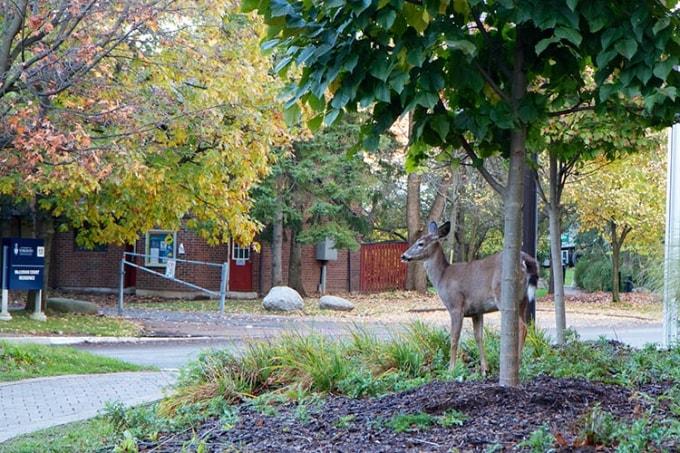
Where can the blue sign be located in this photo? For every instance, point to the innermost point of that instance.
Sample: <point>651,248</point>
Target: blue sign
<point>25,266</point>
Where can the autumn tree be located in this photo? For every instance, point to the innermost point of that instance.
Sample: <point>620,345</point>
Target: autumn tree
<point>175,121</point>
<point>624,201</point>
<point>479,76</point>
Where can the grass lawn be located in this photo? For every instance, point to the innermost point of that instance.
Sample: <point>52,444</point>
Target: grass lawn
<point>24,361</point>
<point>82,437</point>
<point>69,324</point>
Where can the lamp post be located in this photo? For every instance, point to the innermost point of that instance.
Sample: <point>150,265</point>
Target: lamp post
<point>671,293</point>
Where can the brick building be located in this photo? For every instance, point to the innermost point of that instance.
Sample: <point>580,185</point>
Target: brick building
<point>74,268</point>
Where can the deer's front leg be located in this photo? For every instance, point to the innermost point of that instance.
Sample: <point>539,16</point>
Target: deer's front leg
<point>478,326</point>
<point>456,326</point>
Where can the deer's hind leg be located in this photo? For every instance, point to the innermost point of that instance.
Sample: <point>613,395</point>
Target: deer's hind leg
<point>478,327</point>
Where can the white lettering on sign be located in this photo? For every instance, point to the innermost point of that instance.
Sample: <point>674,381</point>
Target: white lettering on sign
<point>26,272</point>
<point>25,251</point>
<point>41,252</point>
<point>27,277</point>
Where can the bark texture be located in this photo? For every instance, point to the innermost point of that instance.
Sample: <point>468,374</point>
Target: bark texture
<point>277,246</point>
<point>556,251</point>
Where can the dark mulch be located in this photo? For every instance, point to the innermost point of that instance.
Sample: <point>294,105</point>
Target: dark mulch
<point>496,416</point>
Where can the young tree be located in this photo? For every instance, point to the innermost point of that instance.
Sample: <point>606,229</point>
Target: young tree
<point>319,190</point>
<point>482,76</point>
<point>569,143</point>
<point>624,201</point>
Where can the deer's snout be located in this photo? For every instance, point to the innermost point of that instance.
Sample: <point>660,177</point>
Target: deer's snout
<point>405,259</point>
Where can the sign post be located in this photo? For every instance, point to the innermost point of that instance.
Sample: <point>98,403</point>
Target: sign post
<point>23,268</point>
<point>4,315</point>
<point>671,293</point>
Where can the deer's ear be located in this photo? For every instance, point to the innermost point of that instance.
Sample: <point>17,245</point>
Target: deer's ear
<point>444,230</point>
<point>432,227</point>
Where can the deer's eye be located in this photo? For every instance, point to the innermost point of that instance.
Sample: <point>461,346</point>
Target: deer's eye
<point>420,245</point>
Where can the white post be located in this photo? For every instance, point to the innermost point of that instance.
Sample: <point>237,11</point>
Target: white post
<point>4,314</point>
<point>671,296</point>
<point>37,314</point>
<point>223,285</point>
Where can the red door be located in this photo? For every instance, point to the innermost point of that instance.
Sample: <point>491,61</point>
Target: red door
<point>240,269</point>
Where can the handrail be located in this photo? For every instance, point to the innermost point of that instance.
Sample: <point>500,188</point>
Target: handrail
<point>179,260</point>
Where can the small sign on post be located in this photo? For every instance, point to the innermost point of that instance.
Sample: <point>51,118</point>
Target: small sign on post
<point>170,268</point>
<point>23,269</point>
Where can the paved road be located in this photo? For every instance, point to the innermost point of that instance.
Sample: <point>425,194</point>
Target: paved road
<point>34,404</point>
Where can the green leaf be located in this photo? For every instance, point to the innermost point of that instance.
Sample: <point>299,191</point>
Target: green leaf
<point>292,114</point>
<point>382,92</point>
<point>464,46</point>
<point>270,44</point>
<point>330,117</point>
<point>626,47</point>
<point>283,64</point>
<point>544,43</point>
<point>572,4</point>
<point>248,6</point>
<point>609,36</point>
<point>663,68</point>
<point>381,69</point>
<point>661,24</point>
<point>386,18</point>
<point>314,124</point>
<point>441,126</point>
<point>603,58</point>
<point>398,80</point>
<point>569,34</point>
<point>416,17</point>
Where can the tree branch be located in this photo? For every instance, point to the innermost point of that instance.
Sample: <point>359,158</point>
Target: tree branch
<point>493,182</point>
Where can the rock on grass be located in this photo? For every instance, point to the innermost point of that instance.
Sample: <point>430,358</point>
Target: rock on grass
<point>282,298</point>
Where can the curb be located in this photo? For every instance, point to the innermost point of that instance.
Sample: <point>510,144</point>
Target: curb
<point>64,341</point>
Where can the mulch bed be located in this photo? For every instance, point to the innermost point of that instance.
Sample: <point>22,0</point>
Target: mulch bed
<point>497,416</point>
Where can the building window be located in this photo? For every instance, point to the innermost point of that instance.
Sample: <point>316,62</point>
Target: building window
<point>160,245</point>
<point>240,254</point>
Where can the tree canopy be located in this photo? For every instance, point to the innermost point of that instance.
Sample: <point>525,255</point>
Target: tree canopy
<point>174,117</point>
<point>482,76</point>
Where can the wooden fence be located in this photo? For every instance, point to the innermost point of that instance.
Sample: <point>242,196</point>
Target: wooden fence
<point>381,266</point>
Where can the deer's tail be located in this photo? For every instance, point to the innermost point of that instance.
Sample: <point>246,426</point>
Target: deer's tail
<point>531,268</point>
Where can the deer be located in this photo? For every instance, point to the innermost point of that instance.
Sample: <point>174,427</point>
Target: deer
<point>471,289</point>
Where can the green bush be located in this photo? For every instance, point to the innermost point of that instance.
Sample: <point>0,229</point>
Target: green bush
<point>594,273</point>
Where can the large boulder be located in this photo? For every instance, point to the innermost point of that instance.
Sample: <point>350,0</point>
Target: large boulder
<point>282,298</point>
<point>335,303</point>
<point>64,305</point>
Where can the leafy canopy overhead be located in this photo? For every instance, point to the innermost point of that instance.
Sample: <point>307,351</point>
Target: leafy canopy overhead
<point>451,63</point>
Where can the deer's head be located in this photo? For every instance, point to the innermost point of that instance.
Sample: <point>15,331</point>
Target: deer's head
<point>426,245</point>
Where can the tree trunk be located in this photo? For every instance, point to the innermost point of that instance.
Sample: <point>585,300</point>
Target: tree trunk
<point>556,252</point>
<point>32,295</point>
<point>48,233</point>
<point>295,265</point>
<point>453,215</point>
<point>415,274</point>
<point>277,246</point>
<point>616,256</point>
<point>512,240</point>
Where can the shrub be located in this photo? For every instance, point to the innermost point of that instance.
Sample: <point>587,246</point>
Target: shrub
<point>594,273</point>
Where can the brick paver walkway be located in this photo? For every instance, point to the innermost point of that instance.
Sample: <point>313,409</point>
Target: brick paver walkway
<point>34,404</point>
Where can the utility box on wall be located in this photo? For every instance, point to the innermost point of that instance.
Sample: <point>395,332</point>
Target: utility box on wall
<point>326,251</point>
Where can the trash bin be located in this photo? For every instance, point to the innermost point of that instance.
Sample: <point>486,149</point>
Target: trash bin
<point>628,285</point>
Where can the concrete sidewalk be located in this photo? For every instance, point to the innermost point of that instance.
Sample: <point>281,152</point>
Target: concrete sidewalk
<point>34,404</point>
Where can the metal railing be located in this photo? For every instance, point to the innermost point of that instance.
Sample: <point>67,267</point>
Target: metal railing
<point>224,278</point>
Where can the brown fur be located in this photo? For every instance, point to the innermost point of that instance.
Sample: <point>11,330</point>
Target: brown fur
<point>469,289</point>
